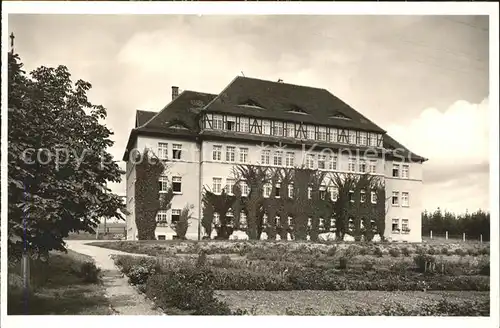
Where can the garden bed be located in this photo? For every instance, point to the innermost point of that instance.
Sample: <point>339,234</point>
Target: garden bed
<point>326,302</point>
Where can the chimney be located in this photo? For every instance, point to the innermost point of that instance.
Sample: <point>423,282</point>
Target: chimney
<point>175,92</point>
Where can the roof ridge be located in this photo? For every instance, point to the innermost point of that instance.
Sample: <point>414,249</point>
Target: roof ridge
<point>291,84</point>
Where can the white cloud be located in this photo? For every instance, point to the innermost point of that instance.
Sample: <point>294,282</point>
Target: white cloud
<point>457,135</point>
<point>456,142</point>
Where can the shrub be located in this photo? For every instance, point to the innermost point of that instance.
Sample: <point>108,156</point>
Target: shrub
<point>202,259</point>
<point>343,263</point>
<point>331,251</point>
<point>460,252</point>
<point>400,267</point>
<point>406,251</point>
<point>186,288</point>
<point>368,265</point>
<point>472,252</point>
<point>138,269</point>
<point>378,252</point>
<point>445,251</point>
<point>363,251</point>
<point>484,268</point>
<point>394,252</point>
<point>484,251</point>
<point>431,251</point>
<point>422,261</point>
<point>89,272</point>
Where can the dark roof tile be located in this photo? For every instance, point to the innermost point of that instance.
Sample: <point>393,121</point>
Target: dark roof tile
<point>283,101</point>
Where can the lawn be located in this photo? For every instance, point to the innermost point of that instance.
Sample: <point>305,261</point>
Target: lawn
<point>328,278</point>
<point>57,288</point>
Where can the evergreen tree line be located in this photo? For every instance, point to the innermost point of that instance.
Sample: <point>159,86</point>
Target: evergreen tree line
<point>472,224</point>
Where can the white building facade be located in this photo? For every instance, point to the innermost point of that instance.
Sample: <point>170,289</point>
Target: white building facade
<point>202,138</point>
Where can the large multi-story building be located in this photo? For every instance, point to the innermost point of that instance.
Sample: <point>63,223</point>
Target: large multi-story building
<point>203,136</point>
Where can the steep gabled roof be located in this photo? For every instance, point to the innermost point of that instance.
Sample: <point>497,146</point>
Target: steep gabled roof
<point>182,110</point>
<point>288,102</point>
<point>143,116</point>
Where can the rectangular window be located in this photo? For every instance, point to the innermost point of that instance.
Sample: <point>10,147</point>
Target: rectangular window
<point>334,193</point>
<point>395,198</point>
<point>289,160</point>
<point>373,166</point>
<point>405,172</point>
<point>405,199</point>
<point>363,196</point>
<point>216,220</point>
<point>362,166</point>
<point>322,192</point>
<point>322,133</point>
<point>243,219</point>
<point>351,196</point>
<point>334,135</point>
<point>309,192</point>
<point>310,132</point>
<point>230,150</point>
<point>231,123</point>
<point>163,183</point>
<point>290,130</point>
<point>244,125</point>
<point>161,237</point>
<point>395,170</point>
<point>266,127</point>
<point>278,158</point>
<point>373,196</point>
<point>290,191</point>
<point>373,140</point>
<point>278,129</point>
<point>363,139</point>
<point>162,150</point>
<point>217,185</point>
<point>162,216</point>
<point>332,162</point>
<point>290,221</point>
<point>177,184</point>
<point>352,137</point>
<point>310,161</point>
<point>267,190</point>
<point>321,162</point>
<point>277,190</point>
<point>352,164</point>
<point>176,151</point>
<point>244,188</point>
<point>176,215</point>
<point>405,226</point>
<point>395,225</point>
<point>264,157</point>
<point>217,153</point>
<point>229,186</point>
<point>217,122</point>
<point>243,155</point>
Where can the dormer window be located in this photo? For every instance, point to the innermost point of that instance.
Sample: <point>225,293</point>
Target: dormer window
<point>340,116</point>
<point>251,103</point>
<point>297,110</point>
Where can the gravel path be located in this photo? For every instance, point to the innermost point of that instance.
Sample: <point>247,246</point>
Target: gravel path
<point>124,299</point>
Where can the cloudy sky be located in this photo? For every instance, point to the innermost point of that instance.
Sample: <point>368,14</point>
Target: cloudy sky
<point>424,79</point>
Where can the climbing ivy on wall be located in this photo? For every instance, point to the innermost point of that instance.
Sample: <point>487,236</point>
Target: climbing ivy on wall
<point>311,208</point>
<point>148,200</point>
